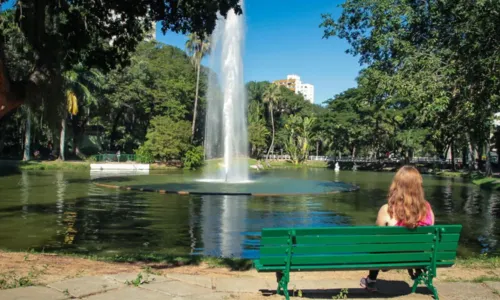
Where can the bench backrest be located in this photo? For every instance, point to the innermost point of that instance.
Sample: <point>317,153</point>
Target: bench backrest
<point>360,247</point>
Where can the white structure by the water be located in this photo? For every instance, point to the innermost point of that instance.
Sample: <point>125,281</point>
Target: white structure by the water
<point>226,125</point>
<point>119,167</point>
<point>306,89</point>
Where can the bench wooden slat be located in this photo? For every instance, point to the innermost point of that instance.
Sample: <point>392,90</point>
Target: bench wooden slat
<point>351,258</point>
<point>371,266</point>
<point>359,239</point>
<point>357,248</point>
<point>358,230</point>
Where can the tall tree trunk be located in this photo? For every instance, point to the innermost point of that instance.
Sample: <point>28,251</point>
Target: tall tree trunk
<point>480,161</point>
<point>317,148</point>
<point>63,139</point>
<point>196,99</point>
<point>353,152</point>
<point>488,170</point>
<point>272,138</point>
<point>464,157</point>
<point>27,135</point>
<point>471,151</point>
<point>453,155</point>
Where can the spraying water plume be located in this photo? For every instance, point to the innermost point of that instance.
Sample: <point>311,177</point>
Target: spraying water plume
<point>226,134</point>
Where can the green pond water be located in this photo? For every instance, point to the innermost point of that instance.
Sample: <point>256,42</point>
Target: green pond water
<point>65,211</point>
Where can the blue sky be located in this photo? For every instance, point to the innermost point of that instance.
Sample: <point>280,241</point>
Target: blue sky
<point>283,37</point>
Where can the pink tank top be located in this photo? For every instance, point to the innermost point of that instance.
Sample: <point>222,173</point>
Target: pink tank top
<point>427,221</point>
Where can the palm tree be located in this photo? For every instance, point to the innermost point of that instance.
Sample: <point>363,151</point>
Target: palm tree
<point>271,97</point>
<point>80,85</point>
<point>197,48</point>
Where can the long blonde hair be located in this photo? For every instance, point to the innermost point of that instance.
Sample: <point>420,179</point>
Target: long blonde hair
<point>406,199</point>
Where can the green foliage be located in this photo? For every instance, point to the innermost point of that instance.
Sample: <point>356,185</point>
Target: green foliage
<point>197,46</point>
<point>430,81</point>
<point>257,130</point>
<point>139,280</point>
<point>144,155</point>
<point>160,82</point>
<point>194,158</point>
<point>342,295</point>
<point>300,135</point>
<point>62,34</point>
<point>166,138</point>
<point>11,280</point>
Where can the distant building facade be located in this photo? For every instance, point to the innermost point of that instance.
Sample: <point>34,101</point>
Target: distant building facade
<point>293,83</point>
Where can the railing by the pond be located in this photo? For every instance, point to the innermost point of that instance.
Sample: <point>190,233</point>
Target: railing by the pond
<point>415,160</point>
<point>114,157</point>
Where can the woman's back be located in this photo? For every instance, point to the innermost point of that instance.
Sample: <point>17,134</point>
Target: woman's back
<point>384,218</point>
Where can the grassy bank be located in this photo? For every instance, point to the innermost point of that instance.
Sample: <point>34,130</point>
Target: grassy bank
<point>287,164</point>
<point>452,174</point>
<point>488,183</point>
<point>481,261</point>
<point>45,165</point>
<point>16,165</point>
<point>162,167</point>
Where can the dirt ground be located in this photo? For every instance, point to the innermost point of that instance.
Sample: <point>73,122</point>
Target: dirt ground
<point>46,268</point>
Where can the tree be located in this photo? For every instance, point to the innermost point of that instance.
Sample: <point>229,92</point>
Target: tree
<point>300,135</point>
<point>160,81</point>
<point>197,48</point>
<point>271,97</point>
<point>257,130</point>
<point>167,139</point>
<point>81,85</point>
<point>100,34</point>
<point>432,63</point>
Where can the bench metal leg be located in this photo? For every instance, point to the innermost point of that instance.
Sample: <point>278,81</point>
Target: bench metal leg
<point>283,278</point>
<point>427,278</point>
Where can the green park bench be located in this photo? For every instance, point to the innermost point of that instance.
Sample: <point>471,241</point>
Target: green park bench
<point>285,250</point>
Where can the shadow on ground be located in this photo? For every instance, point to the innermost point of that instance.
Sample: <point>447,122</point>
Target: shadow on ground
<point>386,289</point>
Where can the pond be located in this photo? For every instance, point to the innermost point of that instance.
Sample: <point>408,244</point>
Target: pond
<point>65,211</point>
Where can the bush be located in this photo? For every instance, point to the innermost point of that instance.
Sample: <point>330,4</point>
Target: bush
<point>166,139</point>
<point>193,159</point>
<point>144,155</point>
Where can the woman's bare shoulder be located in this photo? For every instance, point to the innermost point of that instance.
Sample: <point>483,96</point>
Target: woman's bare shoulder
<point>384,209</point>
<point>384,218</point>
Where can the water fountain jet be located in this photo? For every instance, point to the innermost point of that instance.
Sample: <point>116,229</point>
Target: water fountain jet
<point>226,134</point>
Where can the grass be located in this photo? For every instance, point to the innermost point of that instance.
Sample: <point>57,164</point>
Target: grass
<point>16,165</point>
<point>139,280</point>
<point>455,174</point>
<point>172,260</point>
<point>287,164</point>
<point>44,165</point>
<point>482,279</point>
<point>488,183</point>
<point>11,280</point>
<point>482,261</point>
<point>162,167</point>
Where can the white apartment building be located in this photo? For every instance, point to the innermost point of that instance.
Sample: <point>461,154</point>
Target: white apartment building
<point>294,83</point>
<point>307,90</point>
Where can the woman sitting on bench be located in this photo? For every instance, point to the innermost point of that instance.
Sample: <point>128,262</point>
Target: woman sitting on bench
<point>406,206</point>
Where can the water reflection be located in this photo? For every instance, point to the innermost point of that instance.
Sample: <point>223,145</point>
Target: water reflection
<point>487,236</point>
<point>25,193</point>
<point>65,211</point>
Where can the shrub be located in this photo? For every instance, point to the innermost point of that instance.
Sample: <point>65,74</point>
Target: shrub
<point>193,159</point>
<point>144,155</point>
